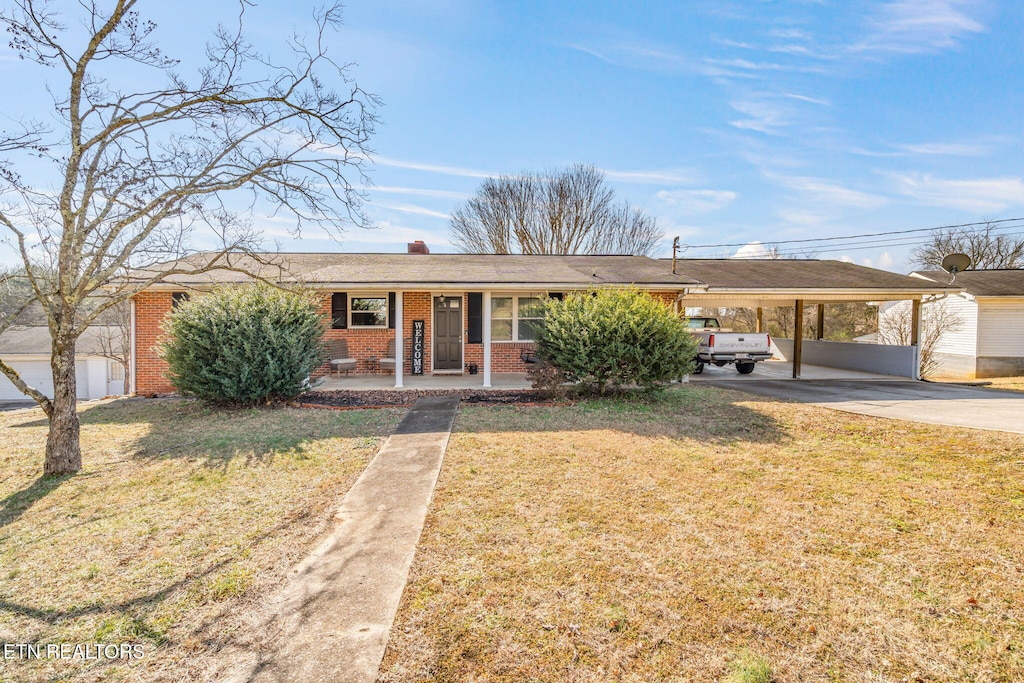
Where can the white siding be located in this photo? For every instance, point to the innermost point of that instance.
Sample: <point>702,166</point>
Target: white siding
<point>1001,328</point>
<point>963,340</point>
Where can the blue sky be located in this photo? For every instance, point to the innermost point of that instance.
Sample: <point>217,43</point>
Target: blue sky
<point>733,122</point>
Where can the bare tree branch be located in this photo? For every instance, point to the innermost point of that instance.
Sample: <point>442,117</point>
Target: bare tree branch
<point>140,171</point>
<point>986,247</point>
<point>568,211</point>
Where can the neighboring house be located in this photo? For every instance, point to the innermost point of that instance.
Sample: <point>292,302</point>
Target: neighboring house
<point>27,350</point>
<point>988,340</point>
<point>446,312</point>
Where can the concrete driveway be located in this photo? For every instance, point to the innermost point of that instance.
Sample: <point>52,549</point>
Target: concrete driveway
<point>943,404</point>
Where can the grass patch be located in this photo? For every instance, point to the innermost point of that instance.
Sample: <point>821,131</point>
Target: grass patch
<point>1007,383</point>
<point>749,668</point>
<point>182,517</point>
<point>672,540</point>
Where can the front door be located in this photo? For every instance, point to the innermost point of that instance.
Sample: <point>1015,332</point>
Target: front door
<point>447,332</point>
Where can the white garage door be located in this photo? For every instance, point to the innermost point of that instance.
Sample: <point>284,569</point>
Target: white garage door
<point>36,373</point>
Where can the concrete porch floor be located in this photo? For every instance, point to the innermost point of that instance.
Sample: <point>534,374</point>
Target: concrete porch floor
<point>509,380</point>
<point>768,370</point>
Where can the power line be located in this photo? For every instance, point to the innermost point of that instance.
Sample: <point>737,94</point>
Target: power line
<point>854,247</point>
<point>865,235</point>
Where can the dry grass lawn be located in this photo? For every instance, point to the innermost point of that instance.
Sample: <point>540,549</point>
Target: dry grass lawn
<point>181,519</point>
<point>714,537</point>
<point>1010,383</point>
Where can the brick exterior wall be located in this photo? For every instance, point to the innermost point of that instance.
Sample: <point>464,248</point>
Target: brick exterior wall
<point>152,307</point>
<point>150,371</point>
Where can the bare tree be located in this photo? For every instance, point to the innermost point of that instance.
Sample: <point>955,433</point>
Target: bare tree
<point>137,172</point>
<point>986,247</point>
<point>567,211</point>
<point>895,327</point>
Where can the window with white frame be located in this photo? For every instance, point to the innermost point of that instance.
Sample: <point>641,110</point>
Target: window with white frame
<point>516,318</point>
<point>368,310</point>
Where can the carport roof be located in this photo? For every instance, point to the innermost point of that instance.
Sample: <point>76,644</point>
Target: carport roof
<point>757,281</point>
<point>984,283</point>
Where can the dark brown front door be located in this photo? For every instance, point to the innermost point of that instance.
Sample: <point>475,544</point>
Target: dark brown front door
<point>447,332</point>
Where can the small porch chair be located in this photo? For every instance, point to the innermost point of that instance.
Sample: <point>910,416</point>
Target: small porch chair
<point>341,360</point>
<point>388,361</point>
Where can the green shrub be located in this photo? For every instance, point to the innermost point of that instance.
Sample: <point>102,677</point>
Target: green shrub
<point>244,345</point>
<point>612,337</point>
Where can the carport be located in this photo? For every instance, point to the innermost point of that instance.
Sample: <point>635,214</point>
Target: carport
<point>806,286</point>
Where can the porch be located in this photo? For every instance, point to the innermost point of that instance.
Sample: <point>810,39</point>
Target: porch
<point>499,381</point>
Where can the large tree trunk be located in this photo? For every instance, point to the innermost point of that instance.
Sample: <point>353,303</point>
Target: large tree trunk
<point>63,451</point>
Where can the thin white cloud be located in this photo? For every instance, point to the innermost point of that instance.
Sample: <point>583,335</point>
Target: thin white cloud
<point>979,195</point>
<point>846,259</point>
<point>651,177</point>
<point>829,193</point>
<point>590,51</point>
<point>696,201</point>
<point>642,177</point>
<point>958,149</point>
<point>419,191</point>
<point>442,169</point>
<point>805,98</point>
<point>762,116</point>
<point>413,209</point>
<point>920,26</point>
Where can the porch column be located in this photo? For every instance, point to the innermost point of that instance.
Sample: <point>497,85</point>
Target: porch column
<point>487,338</point>
<point>798,337</point>
<point>399,324</point>
<point>821,321</point>
<point>760,320</point>
<point>915,336</point>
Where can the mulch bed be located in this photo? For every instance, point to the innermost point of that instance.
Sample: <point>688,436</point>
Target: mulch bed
<point>387,398</point>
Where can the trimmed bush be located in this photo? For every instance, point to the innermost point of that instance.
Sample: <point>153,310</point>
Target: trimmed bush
<point>615,337</point>
<point>244,345</point>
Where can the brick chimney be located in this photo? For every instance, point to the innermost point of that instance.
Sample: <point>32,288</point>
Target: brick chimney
<point>418,247</point>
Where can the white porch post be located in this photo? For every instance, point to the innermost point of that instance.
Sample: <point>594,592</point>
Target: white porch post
<point>487,338</point>
<point>399,368</point>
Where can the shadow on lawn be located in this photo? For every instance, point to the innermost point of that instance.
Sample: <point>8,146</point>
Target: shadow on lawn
<point>684,411</point>
<point>16,504</point>
<point>182,428</point>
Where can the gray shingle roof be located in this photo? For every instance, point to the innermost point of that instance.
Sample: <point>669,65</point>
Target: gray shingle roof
<point>802,274</point>
<point>446,269</point>
<point>34,340</point>
<point>1007,282</point>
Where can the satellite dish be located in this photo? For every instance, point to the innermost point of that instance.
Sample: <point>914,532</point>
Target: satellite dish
<point>955,263</point>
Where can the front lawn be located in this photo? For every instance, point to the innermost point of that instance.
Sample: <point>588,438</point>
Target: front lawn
<point>716,537</point>
<point>1008,383</point>
<point>181,518</point>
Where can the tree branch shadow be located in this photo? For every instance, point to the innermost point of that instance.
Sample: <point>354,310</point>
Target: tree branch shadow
<point>16,504</point>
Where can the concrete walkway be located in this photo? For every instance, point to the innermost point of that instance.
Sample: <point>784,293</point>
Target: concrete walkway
<point>334,614</point>
<point>941,404</point>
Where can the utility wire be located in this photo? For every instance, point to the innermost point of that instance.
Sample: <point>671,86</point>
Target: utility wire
<point>873,234</point>
<point>810,252</point>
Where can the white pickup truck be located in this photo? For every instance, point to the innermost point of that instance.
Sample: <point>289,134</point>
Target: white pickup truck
<point>722,347</point>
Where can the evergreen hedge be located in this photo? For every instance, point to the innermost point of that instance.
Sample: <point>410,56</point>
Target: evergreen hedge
<point>244,345</point>
<point>615,337</point>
